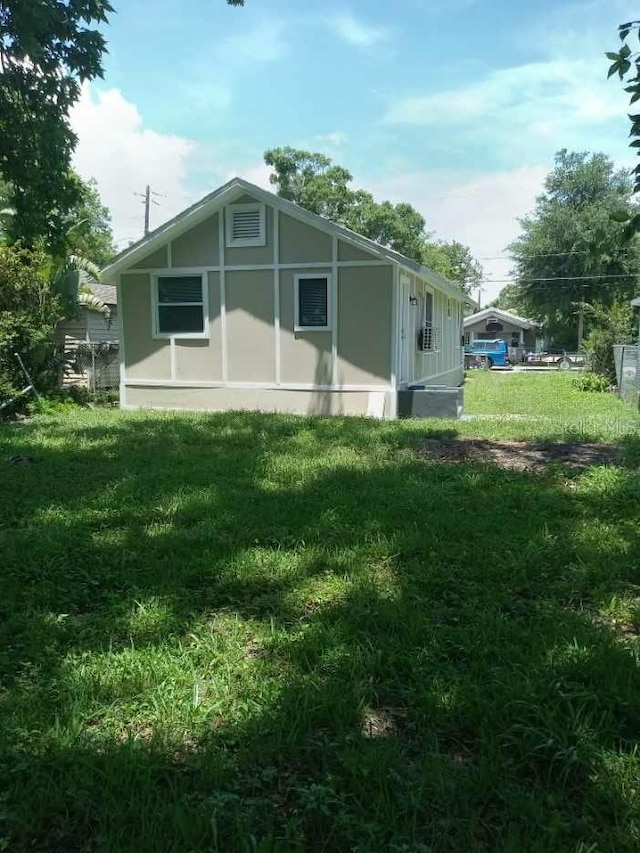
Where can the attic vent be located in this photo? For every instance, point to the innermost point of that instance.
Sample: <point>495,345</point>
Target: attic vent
<point>245,225</point>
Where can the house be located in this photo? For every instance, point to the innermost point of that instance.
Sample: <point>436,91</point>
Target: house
<point>492,323</point>
<point>90,341</point>
<point>248,301</point>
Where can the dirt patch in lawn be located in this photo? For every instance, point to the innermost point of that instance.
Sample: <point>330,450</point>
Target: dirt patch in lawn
<point>520,455</point>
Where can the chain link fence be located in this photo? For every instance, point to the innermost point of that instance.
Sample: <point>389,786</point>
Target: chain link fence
<point>627,361</point>
<point>94,365</point>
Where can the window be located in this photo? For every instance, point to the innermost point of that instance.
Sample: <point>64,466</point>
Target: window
<point>428,339</point>
<point>467,338</point>
<point>246,225</point>
<point>449,308</point>
<point>179,306</point>
<point>312,303</point>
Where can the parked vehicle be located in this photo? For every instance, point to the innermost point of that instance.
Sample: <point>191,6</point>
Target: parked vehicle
<point>561,359</point>
<point>486,354</point>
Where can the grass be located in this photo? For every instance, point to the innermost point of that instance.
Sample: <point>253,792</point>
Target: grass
<point>254,633</point>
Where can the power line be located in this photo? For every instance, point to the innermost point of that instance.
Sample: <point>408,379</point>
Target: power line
<point>516,280</point>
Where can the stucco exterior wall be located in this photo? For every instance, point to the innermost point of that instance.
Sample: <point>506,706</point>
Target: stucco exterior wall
<point>145,357</point>
<point>365,307</point>
<point>156,260</point>
<point>347,252</point>
<point>250,326</point>
<point>302,244</point>
<point>360,403</point>
<point>198,247</point>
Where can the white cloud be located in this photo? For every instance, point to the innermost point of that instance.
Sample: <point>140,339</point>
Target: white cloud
<point>262,43</point>
<point>481,212</point>
<point>123,155</point>
<point>537,94</point>
<point>356,32</point>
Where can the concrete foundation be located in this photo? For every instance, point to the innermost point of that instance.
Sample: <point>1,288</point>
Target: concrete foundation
<point>430,402</point>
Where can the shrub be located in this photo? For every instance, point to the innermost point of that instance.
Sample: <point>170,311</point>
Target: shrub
<point>610,325</point>
<point>590,381</point>
<point>29,313</point>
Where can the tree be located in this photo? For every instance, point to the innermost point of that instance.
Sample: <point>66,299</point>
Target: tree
<point>30,310</point>
<point>88,226</point>
<point>610,325</point>
<point>47,50</point>
<point>572,250</point>
<point>312,181</point>
<point>626,64</point>
<point>455,261</point>
<point>509,299</point>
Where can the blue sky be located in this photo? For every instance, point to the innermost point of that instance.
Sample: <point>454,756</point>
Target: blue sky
<point>454,105</point>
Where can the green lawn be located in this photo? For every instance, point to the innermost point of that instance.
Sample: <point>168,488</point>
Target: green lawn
<point>256,633</point>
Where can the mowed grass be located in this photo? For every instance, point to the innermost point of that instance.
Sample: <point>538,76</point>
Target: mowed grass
<point>253,633</point>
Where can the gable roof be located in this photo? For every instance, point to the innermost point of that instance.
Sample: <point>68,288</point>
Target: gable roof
<point>108,293</point>
<point>507,316</point>
<point>236,187</point>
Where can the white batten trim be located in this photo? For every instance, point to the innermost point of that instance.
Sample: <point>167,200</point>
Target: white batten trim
<point>334,310</point>
<point>172,358</point>
<point>276,294</point>
<point>121,354</point>
<point>223,299</point>
<point>313,265</point>
<point>170,254</point>
<point>251,386</point>
<point>394,342</point>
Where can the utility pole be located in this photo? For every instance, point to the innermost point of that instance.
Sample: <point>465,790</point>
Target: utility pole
<point>147,207</point>
<point>148,201</point>
<point>580,324</point>
<point>479,298</point>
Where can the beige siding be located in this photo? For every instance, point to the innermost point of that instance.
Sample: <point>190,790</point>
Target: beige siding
<point>302,244</point>
<point>145,357</point>
<point>237,399</point>
<point>444,366</point>
<point>305,356</point>
<point>156,260</point>
<point>250,326</point>
<point>347,252</point>
<point>364,325</point>
<point>245,255</point>
<point>198,247</point>
<point>201,360</point>
<point>99,329</point>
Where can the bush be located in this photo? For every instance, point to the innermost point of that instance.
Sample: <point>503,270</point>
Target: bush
<point>30,311</point>
<point>596,382</point>
<point>610,325</point>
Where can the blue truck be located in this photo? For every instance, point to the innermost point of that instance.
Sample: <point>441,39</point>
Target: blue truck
<point>486,354</point>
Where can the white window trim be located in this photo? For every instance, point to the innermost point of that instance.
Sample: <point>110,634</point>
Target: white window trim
<point>252,241</point>
<point>155,305</point>
<point>296,301</point>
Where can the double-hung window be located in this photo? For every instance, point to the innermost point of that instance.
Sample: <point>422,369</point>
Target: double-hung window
<point>180,306</point>
<point>312,303</point>
<point>429,337</point>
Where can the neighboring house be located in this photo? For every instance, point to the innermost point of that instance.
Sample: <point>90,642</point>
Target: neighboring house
<point>492,323</point>
<point>248,301</point>
<point>91,341</point>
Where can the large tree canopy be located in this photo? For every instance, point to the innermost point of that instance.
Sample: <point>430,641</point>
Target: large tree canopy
<point>571,249</point>
<point>47,49</point>
<point>314,182</point>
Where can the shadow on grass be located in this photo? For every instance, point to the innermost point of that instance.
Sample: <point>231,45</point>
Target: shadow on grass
<point>257,633</point>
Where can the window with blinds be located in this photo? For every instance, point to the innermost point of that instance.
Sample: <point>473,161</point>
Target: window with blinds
<point>246,225</point>
<point>312,303</point>
<point>180,306</point>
